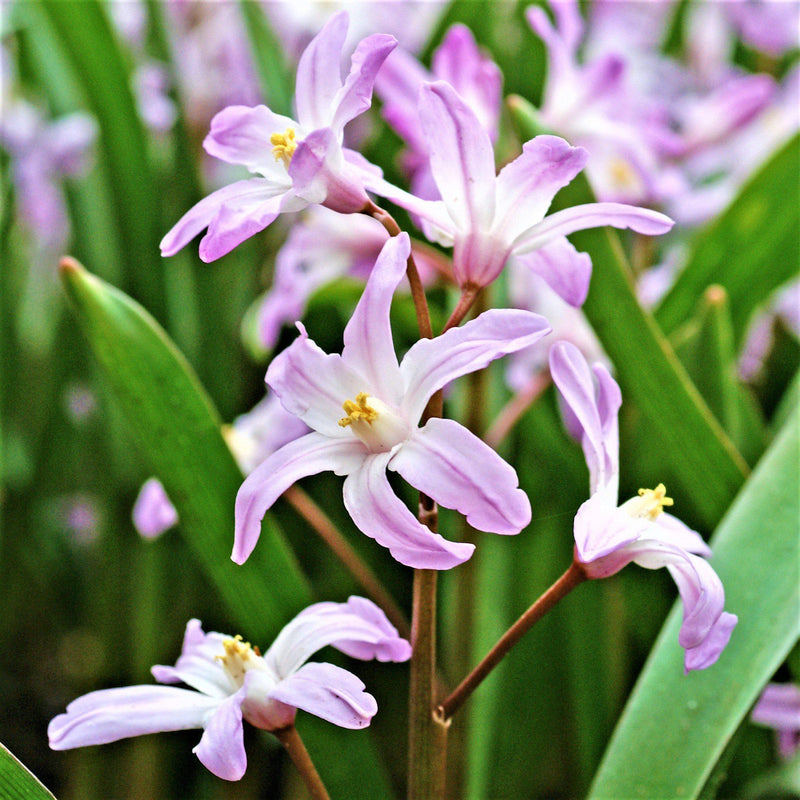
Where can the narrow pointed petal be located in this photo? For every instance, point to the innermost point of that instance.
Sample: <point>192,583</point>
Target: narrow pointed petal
<point>462,157</point>
<point>328,692</point>
<point>455,468</point>
<point>600,440</point>
<point>221,748</point>
<point>592,215</point>
<point>566,271</point>
<point>241,135</point>
<point>381,515</point>
<point>112,714</point>
<point>248,194</point>
<point>355,97</point>
<point>431,364</point>
<point>319,75</point>
<point>527,185</point>
<point>308,455</point>
<point>368,345</point>
<point>710,649</point>
<point>359,625</point>
<point>671,529</point>
<point>313,385</point>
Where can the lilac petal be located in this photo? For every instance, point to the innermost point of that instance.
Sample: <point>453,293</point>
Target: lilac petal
<point>249,193</point>
<point>328,692</point>
<point>241,135</point>
<point>566,271</point>
<point>198,665</point>
<point>461,154</point>
<point>320,174</point>
<point>313,385</point>
<point>319,75</point>
<point>455,468</point>
<point>604,535</point>
<point>709,650</point>
<point>778,707</point>
<point>355,96</point>
<point>153,513</point>
<point>592,215</point>
<point>221,748</point>
<point>112,714</point>
<point>307,455</point>
<point>398,83</point>
<point>239,220</point>
<point>527,185</point>
<point>381,515</point>
<point>671,529</point>
<point>359,625</point>
<point>368,345</point>
<point>431,364</point>
<point>572,376</point>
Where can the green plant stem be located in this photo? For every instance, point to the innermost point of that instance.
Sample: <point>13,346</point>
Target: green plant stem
<point>361,572</point>
<point>573,576</point>
<point>290,739</point>
<point>417,291</point>
<point>427,740</point>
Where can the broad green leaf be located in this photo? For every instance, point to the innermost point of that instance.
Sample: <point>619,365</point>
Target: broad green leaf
<point>269,57</point>
<point>17,781</point>
<point>179,434</point>
<point>676,726</point>
<point>751,249</point>
<point>679,426</point>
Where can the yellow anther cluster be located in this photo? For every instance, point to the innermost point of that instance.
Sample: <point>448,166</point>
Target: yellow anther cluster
<point>237,654</point>
<point>359,411</point>
<point>283,146</point>
<point>653,501</point>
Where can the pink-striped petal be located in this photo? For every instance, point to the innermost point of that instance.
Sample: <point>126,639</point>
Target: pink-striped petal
<point>308,455</point>
<point>461,154</point>
<point>328,692</point>
<point>455,468</point>
<point>431,364</point>
<point>221,748</point>
<point>368,344</point>
<point>112,714</point>
<point>381,515</point>
<point>319,75</point>
<point>566,271</point>
<point>357,627</point>
<point>592,215</point>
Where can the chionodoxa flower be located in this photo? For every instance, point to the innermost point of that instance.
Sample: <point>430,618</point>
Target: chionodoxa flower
<point>608,537</point>
<point>231,681</point>
<point>364,411</point>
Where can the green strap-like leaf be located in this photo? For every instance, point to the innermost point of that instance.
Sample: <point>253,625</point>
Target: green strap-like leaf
<point>179,434</point>
<point>751,249</point>
<point>17,782</point>
<point>676,726</point>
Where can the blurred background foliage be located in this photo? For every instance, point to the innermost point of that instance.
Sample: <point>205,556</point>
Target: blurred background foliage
<point>95,400</point>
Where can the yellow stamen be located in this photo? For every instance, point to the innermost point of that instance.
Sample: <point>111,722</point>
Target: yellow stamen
<point>237,654</point>
<point>653,501</point>
<point>358,411</point>
<point>283,146</point>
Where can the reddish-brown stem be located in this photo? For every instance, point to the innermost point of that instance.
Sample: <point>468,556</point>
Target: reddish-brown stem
<point>563,586</point>
<point>290,739</point>
<point>511,412</point>
<point>330,534</point>
<point>417,291</point>
<point>468,297</point>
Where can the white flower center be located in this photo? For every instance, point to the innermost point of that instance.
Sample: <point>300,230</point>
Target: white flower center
<point>649,504</point>
<point>377,425</point>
